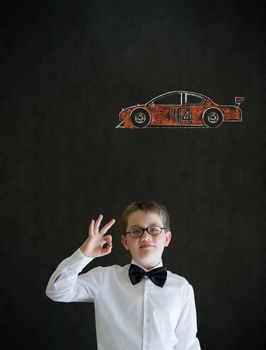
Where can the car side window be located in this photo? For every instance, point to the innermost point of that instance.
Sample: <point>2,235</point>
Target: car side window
<point>194,100</point>
<point>172,99</point>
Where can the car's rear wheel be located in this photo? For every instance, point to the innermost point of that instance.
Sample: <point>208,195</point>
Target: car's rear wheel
<point>213,117</point>
<point>140,118</point>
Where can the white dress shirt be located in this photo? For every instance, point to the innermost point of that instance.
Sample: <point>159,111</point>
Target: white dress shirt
<point>129,317</point>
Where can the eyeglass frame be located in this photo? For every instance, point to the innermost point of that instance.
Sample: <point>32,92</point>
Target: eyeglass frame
<point>146,229</point>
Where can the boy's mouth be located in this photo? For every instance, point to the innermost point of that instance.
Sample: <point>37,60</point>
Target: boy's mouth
<point>147,246</point>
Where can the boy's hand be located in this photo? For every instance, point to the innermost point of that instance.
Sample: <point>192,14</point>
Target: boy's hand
<point>93,246</point>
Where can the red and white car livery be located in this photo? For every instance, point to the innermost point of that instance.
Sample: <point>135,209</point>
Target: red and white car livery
<point>180,109</point>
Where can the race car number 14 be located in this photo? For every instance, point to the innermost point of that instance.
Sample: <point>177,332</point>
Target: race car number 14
<point>184,117</point>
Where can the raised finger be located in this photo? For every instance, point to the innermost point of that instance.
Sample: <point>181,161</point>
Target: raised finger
<point>107,226</point>
<point>91,228</point>
<point>97,223</point>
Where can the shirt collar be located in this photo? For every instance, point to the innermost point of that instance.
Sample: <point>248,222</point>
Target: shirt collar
<point>159,265</point>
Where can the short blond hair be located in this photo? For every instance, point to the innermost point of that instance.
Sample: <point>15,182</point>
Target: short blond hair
<point>146,206</point>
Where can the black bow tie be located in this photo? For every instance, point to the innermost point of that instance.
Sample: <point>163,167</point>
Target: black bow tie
<point>157,276</point>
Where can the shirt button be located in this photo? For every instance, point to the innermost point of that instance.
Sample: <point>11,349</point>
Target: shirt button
<point>147,320</point>
<point>148,346</point>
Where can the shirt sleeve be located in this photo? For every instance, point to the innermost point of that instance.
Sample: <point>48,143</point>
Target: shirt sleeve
<point>66,285</point>
<point>186,329</point>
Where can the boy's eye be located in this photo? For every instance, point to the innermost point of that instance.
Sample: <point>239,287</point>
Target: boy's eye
<point>154,230</point>
<point>136,231</point>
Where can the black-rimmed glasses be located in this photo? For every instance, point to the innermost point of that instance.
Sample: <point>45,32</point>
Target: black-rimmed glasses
<point>138,231</point>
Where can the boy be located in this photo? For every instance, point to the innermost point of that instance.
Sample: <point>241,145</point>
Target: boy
<point>137,306</point>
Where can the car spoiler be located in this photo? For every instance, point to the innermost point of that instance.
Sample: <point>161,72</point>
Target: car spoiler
<point>239,100</point>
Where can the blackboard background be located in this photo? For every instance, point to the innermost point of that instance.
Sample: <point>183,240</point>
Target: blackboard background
<point>68,69</point>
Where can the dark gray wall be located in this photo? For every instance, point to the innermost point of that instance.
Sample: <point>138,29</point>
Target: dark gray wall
<point>68,68</point>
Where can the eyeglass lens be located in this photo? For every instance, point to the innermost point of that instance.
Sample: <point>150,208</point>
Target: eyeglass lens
<point>153,230</point>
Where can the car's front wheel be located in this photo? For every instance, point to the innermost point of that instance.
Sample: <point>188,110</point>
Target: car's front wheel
<point>212,117</point>
<point>140,118</point>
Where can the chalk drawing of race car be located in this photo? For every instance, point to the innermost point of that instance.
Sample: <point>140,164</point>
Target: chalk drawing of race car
<point>180,109</point>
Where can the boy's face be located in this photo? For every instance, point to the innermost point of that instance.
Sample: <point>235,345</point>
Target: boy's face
<point>146,250</point>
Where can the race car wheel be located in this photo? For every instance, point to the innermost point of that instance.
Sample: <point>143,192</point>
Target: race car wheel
<point>140,118</point>
<point>213,117</point>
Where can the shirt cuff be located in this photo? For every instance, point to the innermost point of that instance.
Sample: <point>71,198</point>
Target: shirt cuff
<point>78,261</point>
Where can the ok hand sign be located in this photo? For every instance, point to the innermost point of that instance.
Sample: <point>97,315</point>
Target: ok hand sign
<point>94,244</point>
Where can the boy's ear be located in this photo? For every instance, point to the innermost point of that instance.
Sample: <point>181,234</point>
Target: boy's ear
<point>124,241</point>
<point>168,237</point>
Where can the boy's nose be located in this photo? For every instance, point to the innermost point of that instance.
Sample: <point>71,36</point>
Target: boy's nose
<point>145,235</point>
